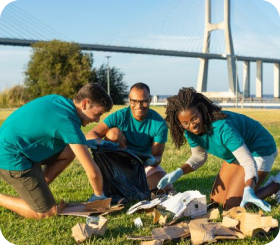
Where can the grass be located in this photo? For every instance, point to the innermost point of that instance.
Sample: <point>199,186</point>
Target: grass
<point>72,185</point>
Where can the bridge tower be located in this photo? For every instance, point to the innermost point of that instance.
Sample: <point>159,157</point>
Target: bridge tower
<point>231,59</point>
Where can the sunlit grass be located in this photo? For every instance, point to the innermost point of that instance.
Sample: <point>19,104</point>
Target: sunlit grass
<point>72,185</point>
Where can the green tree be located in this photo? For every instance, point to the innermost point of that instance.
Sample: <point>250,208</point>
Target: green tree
<point>57,68</point>
<point>118,87</point>
<point>13,97</point>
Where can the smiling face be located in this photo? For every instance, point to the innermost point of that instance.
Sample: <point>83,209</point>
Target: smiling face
<point>191,120</point>
<point>139,100</point>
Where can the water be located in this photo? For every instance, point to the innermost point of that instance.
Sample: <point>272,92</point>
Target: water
<point>268,101</point>
<point>265,96</point>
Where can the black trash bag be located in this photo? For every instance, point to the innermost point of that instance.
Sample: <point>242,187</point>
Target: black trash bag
<point>124,177</point>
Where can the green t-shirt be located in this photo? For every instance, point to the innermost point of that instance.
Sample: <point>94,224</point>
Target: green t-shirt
<point>232,132</point>
<point>38,130</point>
<point>140,135</point>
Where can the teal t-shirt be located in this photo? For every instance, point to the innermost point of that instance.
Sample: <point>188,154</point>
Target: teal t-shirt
<point>232,132</point>
<point>140,135</point>
<point>38,130</point>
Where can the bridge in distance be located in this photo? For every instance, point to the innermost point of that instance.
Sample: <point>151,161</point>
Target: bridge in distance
<point>145,51</point>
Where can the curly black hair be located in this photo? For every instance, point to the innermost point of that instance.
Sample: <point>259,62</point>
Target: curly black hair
<point>188,98</point>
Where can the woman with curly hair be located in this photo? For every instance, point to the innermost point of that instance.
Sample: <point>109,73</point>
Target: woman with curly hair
<point>247,148</point>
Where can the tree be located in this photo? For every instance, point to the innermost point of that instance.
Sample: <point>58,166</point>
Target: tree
<point>118,87</point>
<point>57,68</point>
<point>13,97</point>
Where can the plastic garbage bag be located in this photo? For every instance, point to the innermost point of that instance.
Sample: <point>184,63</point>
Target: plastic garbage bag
<point>123,173</point>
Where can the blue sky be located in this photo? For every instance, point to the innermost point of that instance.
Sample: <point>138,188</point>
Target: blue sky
<point>170,24</point>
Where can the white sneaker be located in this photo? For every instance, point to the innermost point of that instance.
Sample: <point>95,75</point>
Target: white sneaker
<point>269,181</point>
<point>277,196</point>
<point>275,179</point>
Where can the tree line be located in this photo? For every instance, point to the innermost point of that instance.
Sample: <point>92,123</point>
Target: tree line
<point>62,68</point>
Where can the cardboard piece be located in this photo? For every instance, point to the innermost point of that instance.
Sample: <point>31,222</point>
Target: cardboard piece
<point>214,214</point>
<point>211,232</point>
<point>228,233</point>
<point>248,223</point>
<point>233,212</point>
<point>139,238</point>
<point>229,222</point>
<point>162,220</point>
<point>159,218</point>
<point>153,242</point>
<point>81,232</point>
<point>163,233</point>
<point>87,208</point>
<point>170,233</point>
<point>156,215</point>
<point>251,224</point>
<point>188,203</point>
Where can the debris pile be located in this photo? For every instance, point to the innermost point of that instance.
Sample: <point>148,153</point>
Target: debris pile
<point>190,218</point>
<point>236,224</point>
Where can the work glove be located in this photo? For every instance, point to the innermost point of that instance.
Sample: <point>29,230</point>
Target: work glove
<point>151,160</point>
<point>95,197</point>
<point>109,143</point>
<point>93,144</point>
<point>170,178</point>
<point>249,196</point>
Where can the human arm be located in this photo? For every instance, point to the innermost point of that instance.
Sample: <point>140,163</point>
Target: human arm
<point>197,159</point>
<point>98,132</point>
<point>246,160</point>
<point>158,145</point>
<point>156,156</point>
<point>92,170</point>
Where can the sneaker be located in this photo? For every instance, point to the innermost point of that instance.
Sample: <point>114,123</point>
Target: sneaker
<point>275,179</point>
<point>277,196</point>
<point>269,181</point>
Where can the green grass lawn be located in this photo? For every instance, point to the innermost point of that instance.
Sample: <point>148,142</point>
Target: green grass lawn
<point>72,185</point>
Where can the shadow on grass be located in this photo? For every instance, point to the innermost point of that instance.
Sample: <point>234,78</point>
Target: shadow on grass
<point>203,185</point>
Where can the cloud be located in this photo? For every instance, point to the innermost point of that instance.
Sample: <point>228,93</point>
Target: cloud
<point>3,4</point>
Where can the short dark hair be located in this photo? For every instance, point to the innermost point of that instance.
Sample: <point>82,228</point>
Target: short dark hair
<point>140,86</point>
<point>96,94</point>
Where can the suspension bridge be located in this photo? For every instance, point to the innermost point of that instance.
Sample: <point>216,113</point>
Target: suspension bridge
<point>213,30</point>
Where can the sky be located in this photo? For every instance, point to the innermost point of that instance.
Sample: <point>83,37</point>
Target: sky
<point>165,24</point>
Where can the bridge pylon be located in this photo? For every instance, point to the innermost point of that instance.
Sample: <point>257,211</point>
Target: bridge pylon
<point>229,53</point>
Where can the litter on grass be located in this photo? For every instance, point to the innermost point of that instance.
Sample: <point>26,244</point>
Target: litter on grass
<point>188,203</point>
<point>81,232</point>
<point>87,208</point>
<point>138,222</point>
<point>236,225</point>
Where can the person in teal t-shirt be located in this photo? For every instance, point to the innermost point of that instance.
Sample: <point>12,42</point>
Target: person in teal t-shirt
<point>247,148</point>
<point>138,128</point>
<point>47,131</point>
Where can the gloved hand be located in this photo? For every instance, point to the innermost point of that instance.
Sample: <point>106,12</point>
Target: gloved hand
<point>93,143</point>
<point>95,197</point>
<point>170,178</point>
<point>109,143</point>
<point>151,160</point>
<point>249,196</point>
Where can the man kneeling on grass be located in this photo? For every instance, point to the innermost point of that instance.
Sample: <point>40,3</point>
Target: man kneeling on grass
<point>47,131</point>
